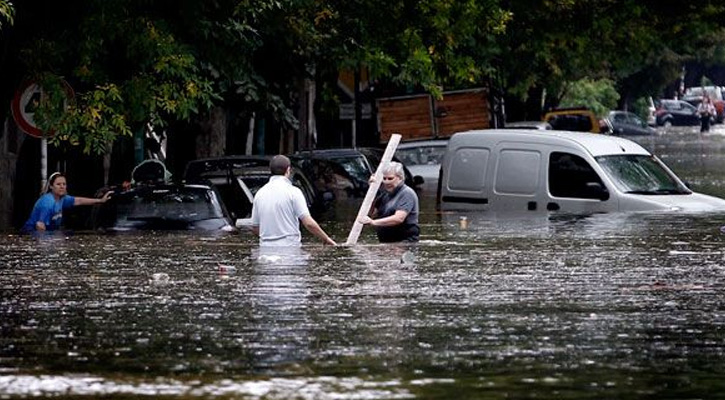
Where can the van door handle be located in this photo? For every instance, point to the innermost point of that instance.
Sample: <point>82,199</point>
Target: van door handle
<point>553,207</point>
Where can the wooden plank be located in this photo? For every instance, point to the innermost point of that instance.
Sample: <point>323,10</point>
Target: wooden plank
<point>373,189</point>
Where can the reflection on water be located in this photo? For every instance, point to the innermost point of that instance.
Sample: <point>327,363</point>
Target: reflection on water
<point>280,304</point>
<point>626,305</point>
<point>274,388</point>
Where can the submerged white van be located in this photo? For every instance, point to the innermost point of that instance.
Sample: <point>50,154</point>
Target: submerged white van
<point>524,170</point>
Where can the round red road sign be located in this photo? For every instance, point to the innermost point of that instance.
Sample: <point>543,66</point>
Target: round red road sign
<point>24,103</point>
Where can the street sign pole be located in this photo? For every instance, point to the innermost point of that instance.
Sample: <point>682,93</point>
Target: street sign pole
<point>23,105</point>
<point>43,163</point>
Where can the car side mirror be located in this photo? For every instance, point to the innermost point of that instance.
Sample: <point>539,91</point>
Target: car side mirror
<point>596,190</point>
<point>418,180</point>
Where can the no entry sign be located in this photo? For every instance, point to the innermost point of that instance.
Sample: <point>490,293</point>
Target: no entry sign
<point>25,102</point>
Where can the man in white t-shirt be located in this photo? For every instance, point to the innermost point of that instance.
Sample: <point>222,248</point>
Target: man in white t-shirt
<point>279,207</point>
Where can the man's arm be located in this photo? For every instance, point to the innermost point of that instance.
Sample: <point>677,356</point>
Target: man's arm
<point>395,219</point>
<point>313,227</point>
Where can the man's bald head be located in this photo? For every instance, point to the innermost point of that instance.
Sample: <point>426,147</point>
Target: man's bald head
<point>279,164</point>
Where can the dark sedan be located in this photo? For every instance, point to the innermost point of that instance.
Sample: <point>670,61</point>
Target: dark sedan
<point>676,112</point>
<point>624,123</point>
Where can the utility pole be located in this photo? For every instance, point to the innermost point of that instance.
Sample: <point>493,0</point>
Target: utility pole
<point>356,107</point>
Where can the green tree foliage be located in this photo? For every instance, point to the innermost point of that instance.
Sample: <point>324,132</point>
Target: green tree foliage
<point>600,95</point>
<point>128,69</point>
<point>143,61</point>
<point>133,63</point>
<point>7,12</point>
<point>429,44</point>
<point>639,45</point>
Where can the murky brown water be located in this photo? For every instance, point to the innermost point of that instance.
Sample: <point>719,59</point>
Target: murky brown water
<point>606,306</point>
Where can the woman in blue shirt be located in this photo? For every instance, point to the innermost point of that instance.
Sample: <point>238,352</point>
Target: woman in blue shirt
<point>47,214</point>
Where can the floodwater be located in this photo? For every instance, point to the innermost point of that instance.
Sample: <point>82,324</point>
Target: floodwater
<point>606,306</point>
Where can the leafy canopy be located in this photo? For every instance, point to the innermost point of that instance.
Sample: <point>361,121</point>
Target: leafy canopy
<point>137,62</point>
<point>7,12</point>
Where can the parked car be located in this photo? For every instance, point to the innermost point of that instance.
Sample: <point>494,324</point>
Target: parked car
<point>375,155</point>
<point>525,171</point>
<point>539,125</point>
<point>579,119</point>
<point>624,123</point>
<point>423,158</point>
<point>328,176</point>
<point>163,206</point>
<point>676,112</point>
<point>694,95</point>
<point>651,112</point>
<point>359,164</point>
<point>237,178</point>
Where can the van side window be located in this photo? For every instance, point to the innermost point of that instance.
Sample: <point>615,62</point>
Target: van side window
<point>569,175</point>
<point>469,169</point>
<point>518,172</point>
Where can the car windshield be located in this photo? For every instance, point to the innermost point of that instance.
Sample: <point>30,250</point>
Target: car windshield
<point>424,155</point>
<point>635,120</point>
<point>187,204</point>
<point>255,182</point>
<point>355,166</point>
<point>640,174</point>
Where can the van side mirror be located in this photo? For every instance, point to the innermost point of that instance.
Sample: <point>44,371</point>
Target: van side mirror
<point>596,190</point>
<point>418,180</point>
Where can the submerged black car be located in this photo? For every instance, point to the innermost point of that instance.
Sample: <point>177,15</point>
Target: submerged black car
<point>163,207</point>
<point>358,165</point>
<point>237,178</point>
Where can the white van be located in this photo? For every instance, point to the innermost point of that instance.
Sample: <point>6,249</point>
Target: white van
<point>525,170</point>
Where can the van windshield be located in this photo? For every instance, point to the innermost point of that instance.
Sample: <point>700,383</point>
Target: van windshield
<point>640,174</point>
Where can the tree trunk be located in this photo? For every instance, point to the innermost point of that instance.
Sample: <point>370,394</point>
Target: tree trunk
<point>307,133</point>
<point>10,141</point>
<point>211,141</point>
<point>250,135</point>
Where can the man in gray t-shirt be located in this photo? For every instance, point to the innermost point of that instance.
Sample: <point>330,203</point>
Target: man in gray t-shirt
<point>395,211</point>
<point>279,207</point>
